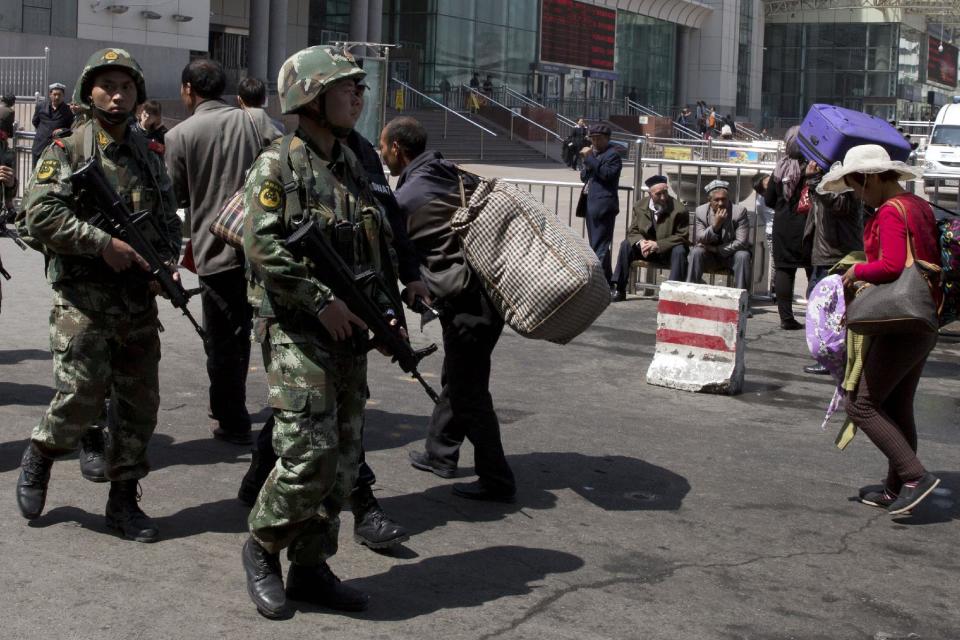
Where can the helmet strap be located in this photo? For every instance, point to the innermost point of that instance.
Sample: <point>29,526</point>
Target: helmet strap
<point>110,117</point>
<point>319,115</point>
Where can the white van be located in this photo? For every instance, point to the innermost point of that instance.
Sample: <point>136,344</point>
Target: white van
<point>942,155</point>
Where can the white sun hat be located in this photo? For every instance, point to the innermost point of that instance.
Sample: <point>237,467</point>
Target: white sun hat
<point>865,158</point>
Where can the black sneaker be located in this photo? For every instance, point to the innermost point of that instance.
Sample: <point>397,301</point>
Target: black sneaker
<point>875,496</point>
<point>913,494</point>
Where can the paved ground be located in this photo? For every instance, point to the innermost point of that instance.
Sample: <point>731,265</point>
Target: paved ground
<point>642,512</point>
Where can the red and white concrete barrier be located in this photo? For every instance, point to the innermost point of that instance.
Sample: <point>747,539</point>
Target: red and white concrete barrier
<point>700,338</point>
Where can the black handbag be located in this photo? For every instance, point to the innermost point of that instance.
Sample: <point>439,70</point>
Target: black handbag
<point>905,305</point>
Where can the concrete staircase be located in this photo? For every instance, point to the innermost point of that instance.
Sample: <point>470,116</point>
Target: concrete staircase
<point>463,144</point>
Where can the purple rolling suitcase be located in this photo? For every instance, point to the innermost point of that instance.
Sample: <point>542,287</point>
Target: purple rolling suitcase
<point>828,132</point>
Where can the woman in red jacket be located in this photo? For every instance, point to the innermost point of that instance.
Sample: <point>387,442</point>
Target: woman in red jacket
<point>882,405</point>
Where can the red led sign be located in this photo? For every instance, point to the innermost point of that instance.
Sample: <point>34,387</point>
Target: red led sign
<point>578,34</point>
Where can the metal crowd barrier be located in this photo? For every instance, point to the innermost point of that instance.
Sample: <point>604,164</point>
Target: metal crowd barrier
<point>23,148</point>
<point>562,198</point>
<point>687,179</point>
<point>942,189</point>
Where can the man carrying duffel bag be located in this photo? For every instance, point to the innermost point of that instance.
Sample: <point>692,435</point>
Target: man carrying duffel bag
<point>430,190</point>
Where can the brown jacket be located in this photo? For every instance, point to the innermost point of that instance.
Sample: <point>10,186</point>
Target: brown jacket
<point>672,229</point>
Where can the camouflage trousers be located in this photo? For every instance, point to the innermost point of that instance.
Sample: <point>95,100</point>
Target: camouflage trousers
<point>318,400</point>
<point>96,356</point>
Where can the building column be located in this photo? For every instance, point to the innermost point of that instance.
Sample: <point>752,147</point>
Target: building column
<point>278,40</point>
<point>359,10</point>
<point>257,40</point>
<point>375,21</point>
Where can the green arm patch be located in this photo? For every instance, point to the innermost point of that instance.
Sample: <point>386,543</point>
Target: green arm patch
<point>270,195</point>
<point>48,171</point>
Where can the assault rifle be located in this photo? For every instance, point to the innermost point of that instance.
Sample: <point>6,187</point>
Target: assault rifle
<point>7,214</point>
<point>117,220</point>
<point>309,241</point>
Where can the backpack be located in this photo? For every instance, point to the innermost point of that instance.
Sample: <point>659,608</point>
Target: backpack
<point>948,237</point>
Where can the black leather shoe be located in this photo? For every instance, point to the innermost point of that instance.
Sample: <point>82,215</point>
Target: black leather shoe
<point>617,295</point>
<point>125,516</point>
<point>233,437</point>
<point>423,461</point>
<point>371,526</point>
<point>318,585</point>
<point>476,491</point>
<point>92,465</point>
<point>33,481</point>
<point>254,478</point>
<point>265,580</point>
<point>790,325</point>
<point>817,369</point>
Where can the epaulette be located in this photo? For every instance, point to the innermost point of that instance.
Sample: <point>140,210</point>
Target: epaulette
<point>63,133</point>
<point>60,144</point>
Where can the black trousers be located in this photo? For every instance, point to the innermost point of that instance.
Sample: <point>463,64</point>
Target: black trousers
<point>227,322</point>
<point>471,328</point>
<point>676,260</point>
<point>600,236</point>
<point>784,279</point>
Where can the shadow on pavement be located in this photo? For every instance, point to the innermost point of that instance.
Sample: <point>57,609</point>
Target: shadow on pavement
<point>468,579</point>
<point>612,483</point>
<point>386,430</point>
<point>13,356</point>
<point>10,454</point>
<point>223,516</point>
<point>25,394</point>
<point>164,452</point>
<point>942,506</point>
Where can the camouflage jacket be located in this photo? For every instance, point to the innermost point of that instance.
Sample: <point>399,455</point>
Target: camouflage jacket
<point>59,220</point>
<point>282,286</point>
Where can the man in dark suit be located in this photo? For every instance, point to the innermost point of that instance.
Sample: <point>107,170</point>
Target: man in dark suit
<point>658,234</point>
<point>601,173</point>
<point>51,114</point>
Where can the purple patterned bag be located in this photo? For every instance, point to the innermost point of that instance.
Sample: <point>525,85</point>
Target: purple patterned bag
<point>827,333</point>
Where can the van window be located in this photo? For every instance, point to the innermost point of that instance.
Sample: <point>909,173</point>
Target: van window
<point>946,134</point>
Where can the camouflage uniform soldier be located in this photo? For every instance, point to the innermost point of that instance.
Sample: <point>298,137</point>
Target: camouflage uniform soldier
<point>103,327</point>
<point>318,368</point>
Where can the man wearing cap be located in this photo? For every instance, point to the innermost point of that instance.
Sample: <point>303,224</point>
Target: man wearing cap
<point>104,333</point>
<point>721,237</point>
<point>207,156</point>
<point>658,235</point>
<point>51,114</point>
<point>599,199</point>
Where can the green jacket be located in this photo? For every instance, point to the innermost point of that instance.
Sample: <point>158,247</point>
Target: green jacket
<point>282,286</point>
<point>59,221</point>
<point>672,229</point>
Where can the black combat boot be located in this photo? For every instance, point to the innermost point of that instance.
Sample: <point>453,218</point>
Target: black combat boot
<point>33,481</point>
<point>371,526</point>
<point>92,465</point>
<point>318,585</point>
<point>254,478</point>
<point>124,514</point>
<point>264,580</point>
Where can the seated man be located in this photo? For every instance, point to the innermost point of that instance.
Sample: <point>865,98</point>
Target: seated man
<point>658,234</point>
<point>721,237</point>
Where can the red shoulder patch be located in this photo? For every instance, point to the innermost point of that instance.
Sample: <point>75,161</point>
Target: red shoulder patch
<point>60,144</point>
<point>156,147</point>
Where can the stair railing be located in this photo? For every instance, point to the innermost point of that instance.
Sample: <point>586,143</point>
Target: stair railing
<point>446,110</point>
<point>479,99</point>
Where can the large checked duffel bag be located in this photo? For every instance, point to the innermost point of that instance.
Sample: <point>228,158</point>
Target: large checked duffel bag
<point>541,275</point>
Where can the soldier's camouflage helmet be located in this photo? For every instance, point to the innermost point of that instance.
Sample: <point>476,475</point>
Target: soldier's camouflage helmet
<point>106,59</point>
<point>310,72</point>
